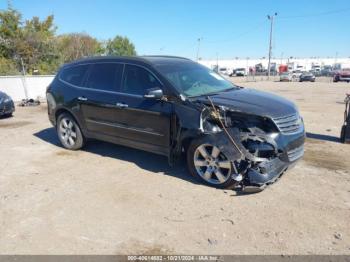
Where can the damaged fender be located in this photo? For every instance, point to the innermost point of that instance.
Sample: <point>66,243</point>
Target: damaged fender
<point>246,163</point>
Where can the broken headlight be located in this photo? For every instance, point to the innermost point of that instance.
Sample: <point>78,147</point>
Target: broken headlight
<point>253,124</point>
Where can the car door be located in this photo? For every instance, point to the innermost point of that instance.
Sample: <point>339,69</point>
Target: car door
<point>99,97</point>
<point>143,120</point>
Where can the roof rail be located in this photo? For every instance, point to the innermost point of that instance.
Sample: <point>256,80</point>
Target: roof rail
<point>166,56</point>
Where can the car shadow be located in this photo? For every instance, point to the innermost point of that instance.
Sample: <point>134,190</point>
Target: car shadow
<point>323,137</point>
<point>145,160</point>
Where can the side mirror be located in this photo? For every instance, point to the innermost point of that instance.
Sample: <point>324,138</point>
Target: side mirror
<point>154,93</point>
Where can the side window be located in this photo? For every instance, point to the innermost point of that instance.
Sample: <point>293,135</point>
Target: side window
<point>105,76</point>
<point>74,75</point>
<point>137,80</point>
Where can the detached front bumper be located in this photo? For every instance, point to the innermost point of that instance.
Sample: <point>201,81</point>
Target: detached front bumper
<point>291,148</point>
<point>259,172</point>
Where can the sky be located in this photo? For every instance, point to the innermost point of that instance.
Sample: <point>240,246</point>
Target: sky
<point>227,28</point>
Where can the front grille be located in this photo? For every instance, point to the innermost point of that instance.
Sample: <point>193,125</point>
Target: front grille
<point>295,153</point>
<point>288,124</point>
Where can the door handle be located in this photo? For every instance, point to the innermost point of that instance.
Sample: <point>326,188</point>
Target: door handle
<point>82,98</point>
<point>121,105</point>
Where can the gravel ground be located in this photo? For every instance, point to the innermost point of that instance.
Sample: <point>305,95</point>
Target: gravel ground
<point>108,199</point>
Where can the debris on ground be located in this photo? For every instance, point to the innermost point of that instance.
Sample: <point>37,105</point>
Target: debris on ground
<point>29,102</point>
<point>228,220</point>
<point>338,236</point>
<point>212,241</point>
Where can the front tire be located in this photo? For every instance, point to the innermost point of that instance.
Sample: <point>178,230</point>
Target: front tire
<point>69,132</point>
<point>209,165</point>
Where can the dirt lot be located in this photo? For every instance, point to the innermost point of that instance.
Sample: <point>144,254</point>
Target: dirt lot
<point>108,199</point>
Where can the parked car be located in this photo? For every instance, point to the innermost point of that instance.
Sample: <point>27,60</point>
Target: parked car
<point>286,76</point>
<point>7,107</point>
<point>240,72</point>
<point>316,70</point>
<point>307,76</point>
<point>232,136</point>
<point>327,70</point>
<point>342,75</point>
<point>224,71</point>
<point>296,75</point>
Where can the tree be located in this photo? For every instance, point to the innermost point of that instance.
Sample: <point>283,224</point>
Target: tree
<point>77,45</point>
<point>37,45</point>
<point>10,30</point>
<point>7,66</point>
<point>35,42</point>
<point>120,46</point>
<point>31,41</point>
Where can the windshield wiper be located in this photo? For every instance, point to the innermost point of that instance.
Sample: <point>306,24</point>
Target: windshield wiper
<point>230,89</point>
<point>206,94</point>
<point>216,92</point>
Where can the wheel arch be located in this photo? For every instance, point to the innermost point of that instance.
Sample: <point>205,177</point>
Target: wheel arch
<point>62,110</point>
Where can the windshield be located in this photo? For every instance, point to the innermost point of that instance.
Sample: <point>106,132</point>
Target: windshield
<point>192,79</point>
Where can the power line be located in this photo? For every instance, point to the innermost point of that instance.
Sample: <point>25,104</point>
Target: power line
<point>317,14</point>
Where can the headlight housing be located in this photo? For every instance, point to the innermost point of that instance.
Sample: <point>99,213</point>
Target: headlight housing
<point>248,122</point>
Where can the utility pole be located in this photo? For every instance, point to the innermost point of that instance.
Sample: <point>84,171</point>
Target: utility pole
<point>24,80</point>
<point>282,58</point>
<point>161,49</point>
<point>217,61</point>
<point>270,17</point>
<point>199,44</point>
<point>336,58</point>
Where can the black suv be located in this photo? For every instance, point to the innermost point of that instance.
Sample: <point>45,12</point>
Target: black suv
<point>232,136</point>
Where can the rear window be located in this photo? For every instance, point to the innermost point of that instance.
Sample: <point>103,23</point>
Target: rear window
<point>105,76</point>
<point>74,75</point>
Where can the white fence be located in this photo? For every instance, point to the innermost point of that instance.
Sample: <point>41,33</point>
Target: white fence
<point>14,86</point>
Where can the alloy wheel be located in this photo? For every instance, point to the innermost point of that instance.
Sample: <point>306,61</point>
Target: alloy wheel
<point>68,132</point>
<point>211,164</point>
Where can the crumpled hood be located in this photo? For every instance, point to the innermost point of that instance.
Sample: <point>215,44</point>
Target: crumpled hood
<point>255,102</point>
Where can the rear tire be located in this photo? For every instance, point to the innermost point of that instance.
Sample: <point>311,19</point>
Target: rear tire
<point>69,132</point>
<point>342,134</point>
<point>209,165</point>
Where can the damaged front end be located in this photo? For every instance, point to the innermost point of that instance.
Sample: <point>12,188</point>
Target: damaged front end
<point>259,152</point>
